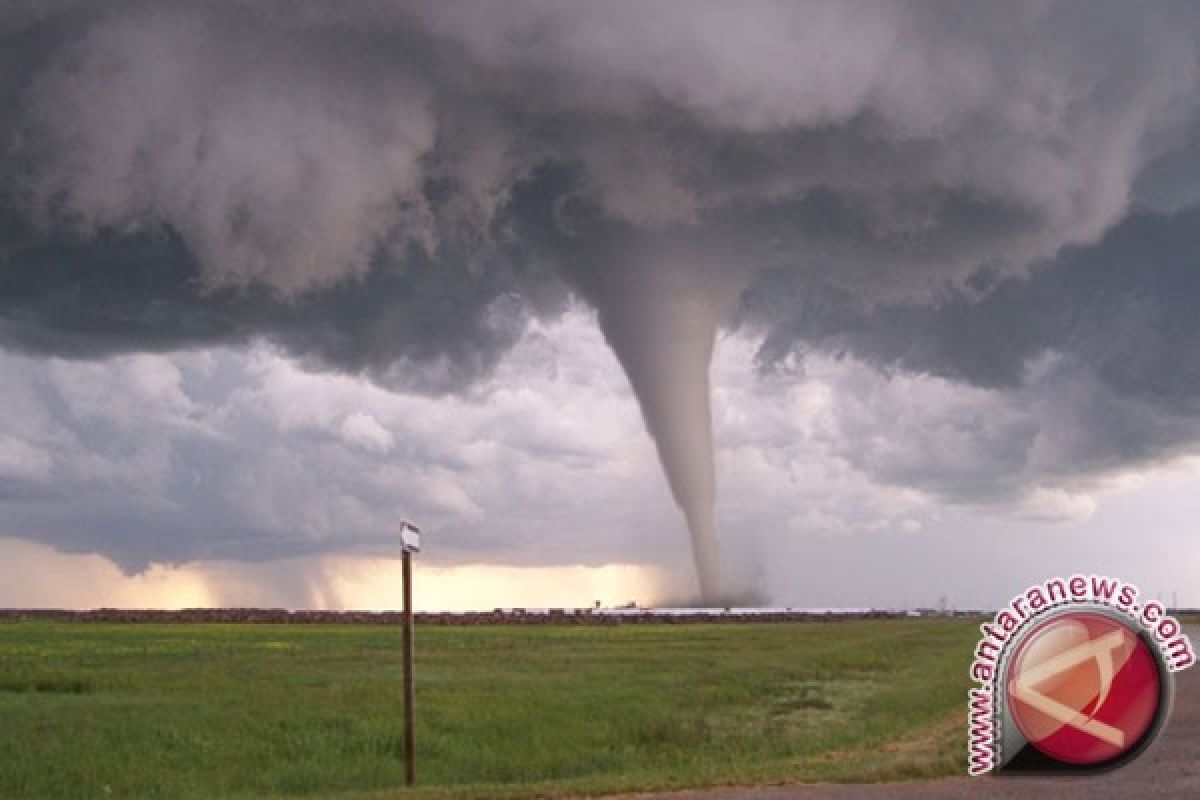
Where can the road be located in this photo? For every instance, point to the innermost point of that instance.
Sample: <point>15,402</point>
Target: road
<point>1169,769</point>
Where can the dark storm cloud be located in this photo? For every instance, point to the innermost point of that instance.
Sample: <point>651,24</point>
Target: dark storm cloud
<point>1124,308</point>
<point>295,146</point>
<point>1098,350</point>
<point>415,324</point>
<point>1001,196</point>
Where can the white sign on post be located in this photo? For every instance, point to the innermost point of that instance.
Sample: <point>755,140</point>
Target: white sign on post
<point>410,537</point>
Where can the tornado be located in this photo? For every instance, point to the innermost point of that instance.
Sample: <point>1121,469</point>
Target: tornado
<point>660,315</point>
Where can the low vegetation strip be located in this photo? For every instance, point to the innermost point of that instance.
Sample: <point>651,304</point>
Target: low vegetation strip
<point>510,616</point>
<point>219,710</point>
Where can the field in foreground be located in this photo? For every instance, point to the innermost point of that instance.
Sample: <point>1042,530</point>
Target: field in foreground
<point>203,711</point>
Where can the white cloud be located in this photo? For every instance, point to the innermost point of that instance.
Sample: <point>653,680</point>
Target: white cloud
<point>19,460</point>
<point>538,465</point>
<point>543,467</point>
<point>1056,505</point>
<point>365,431</point>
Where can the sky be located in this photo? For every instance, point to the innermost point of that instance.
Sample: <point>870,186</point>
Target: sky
<point>809,304</point>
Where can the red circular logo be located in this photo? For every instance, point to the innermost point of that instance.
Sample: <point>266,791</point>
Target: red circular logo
<point>1083,688</point>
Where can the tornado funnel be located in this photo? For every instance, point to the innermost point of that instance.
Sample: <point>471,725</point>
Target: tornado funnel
<point>661,321</point>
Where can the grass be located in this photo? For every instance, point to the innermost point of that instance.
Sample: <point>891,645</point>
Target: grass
<point>237,711</point>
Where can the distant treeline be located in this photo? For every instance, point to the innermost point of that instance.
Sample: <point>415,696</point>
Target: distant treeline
<point>514,616</point>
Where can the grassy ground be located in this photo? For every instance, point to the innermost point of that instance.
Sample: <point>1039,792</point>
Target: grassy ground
<point>203,711</point>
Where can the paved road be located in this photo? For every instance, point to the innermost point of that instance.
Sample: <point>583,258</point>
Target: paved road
<point>1169,769</point>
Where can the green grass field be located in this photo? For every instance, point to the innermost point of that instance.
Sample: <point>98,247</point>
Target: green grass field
<point>205,711</point>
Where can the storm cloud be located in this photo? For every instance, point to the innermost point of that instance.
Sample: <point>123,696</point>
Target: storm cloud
<point>1003,200</point>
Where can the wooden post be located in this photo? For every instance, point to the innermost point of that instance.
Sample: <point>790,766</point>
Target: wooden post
<point>409,750</point>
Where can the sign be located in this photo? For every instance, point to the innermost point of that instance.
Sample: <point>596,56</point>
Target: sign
<point>410,537</point>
